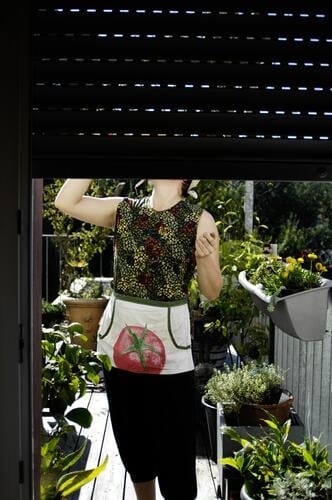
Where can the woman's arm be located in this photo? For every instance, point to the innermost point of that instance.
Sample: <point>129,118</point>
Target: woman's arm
<point>72,201</point>
<point>210,280</point>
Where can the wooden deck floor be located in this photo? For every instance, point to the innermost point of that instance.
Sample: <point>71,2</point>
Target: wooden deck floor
<point>114,483</point>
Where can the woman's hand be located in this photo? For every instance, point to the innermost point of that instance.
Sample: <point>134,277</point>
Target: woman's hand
<point>209,276</point>
<point>206,244</point>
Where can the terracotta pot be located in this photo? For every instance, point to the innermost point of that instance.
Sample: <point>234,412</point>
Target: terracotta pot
<point>252,414</point>
<point>87,312</point>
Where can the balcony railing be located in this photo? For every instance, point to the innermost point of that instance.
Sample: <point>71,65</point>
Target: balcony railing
<point>101,266</point>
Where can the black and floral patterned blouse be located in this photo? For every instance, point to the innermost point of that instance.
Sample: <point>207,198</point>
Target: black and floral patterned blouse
<point>154,251</point>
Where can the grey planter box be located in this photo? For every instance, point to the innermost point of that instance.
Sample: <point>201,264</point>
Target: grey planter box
<point>226,446</point>
<point>301,315</point>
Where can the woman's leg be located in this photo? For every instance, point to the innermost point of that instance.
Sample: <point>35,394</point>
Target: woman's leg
<point>145,491</point>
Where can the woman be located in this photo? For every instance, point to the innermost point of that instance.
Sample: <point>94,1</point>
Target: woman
<point>145,329</point>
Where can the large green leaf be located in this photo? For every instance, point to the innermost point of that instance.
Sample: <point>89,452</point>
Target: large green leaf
<point>71,459</point>
<point>104,358</point>
<point>72,481</point>
<point>80,416</point>
<point>75,328</point>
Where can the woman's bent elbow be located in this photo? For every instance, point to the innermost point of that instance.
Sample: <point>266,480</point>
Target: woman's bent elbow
<point>215,292</point>
<point>60,206</point>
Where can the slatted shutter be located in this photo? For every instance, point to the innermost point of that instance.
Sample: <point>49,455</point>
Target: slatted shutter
<point>244,86</point>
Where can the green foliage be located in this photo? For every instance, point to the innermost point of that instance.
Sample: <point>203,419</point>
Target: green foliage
<point>234,315</point>
<point>275,275</point>
<point>55,482</point>
<point>66,370</point>
<point>52,313</point>
<point>86,288</point>
<point>224,200</point>
<point>258,383</point>
<point>78,242</point>
<point>271,463</point>
<point>298,215</point>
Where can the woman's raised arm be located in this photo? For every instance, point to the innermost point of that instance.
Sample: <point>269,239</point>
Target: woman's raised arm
<point>72,201</point>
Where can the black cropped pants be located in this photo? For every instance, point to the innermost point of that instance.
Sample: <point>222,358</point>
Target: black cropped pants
<point>153,419</point>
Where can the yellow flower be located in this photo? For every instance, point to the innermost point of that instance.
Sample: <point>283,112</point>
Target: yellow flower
<point>284,274</point>
<point>320,268</point>
<point>290,267</point>
<point>290,260</point>
<point>312,256</point>
<point>300,260</point>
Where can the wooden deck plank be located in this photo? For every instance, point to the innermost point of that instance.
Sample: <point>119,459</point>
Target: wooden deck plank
<point>110,483</point>
<point>206,479</point>
<point>95,436</point>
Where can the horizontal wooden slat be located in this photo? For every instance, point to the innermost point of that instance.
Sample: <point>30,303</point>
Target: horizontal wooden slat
<point>197,71</point>
<point>229,98</point>
<point>186,123</point>
<point>296,5</point>
<point>217,23</point>
<point>190,148</point>
<point>171,45</point>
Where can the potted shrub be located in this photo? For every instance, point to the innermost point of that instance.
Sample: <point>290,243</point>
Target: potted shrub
<point>274,466</point>
<point>78,244</point>
<point>85,303</point>
<point>67,368</point>
<point>245,393</point>
<point>247,390</point>
<point>291,291</point>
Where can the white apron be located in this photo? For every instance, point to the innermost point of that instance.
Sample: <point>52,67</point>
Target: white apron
<point>146,336</point>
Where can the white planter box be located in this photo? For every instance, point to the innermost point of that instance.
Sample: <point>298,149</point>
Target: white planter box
<point>301,315</point>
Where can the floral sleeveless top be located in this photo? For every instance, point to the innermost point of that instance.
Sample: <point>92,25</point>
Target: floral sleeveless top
<point>154,251</point>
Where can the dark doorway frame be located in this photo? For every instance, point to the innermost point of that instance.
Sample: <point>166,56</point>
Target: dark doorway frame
<point>20,251</point>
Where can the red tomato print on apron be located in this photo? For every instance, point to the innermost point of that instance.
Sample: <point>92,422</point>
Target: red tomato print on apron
<point>146,336</point>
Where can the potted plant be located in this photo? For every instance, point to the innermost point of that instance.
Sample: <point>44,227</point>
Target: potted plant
<point>67,368</point>
<point>274,466</point>
<point>57,480</point>
<point>231,318</point>
<point>245,393</point>
<point>52,313</point>
<point>85,303</point>
<point>78,244</point>
<point>291,291</point>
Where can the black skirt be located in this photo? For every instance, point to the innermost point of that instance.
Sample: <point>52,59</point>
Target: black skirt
<point>153,419</point>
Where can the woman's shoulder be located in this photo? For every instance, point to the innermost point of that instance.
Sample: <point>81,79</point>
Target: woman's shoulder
<point>193,209</point>
<point>131,204</point>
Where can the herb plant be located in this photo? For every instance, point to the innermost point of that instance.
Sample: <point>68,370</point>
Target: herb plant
<point>258,383</point>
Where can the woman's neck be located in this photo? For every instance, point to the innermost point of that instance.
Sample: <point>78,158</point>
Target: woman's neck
<point>165,195</point>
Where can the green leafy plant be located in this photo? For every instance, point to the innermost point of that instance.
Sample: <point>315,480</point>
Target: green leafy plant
<point>52,313</point>
<point>86,288</point>
<point>298,215</point>
<point>272,466</point>
<point>66,371</point>
<point>232,315</point>
<point>77,242</point>
<point>56,479</point>
<point>276,276</point>
<point>258,383</point>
